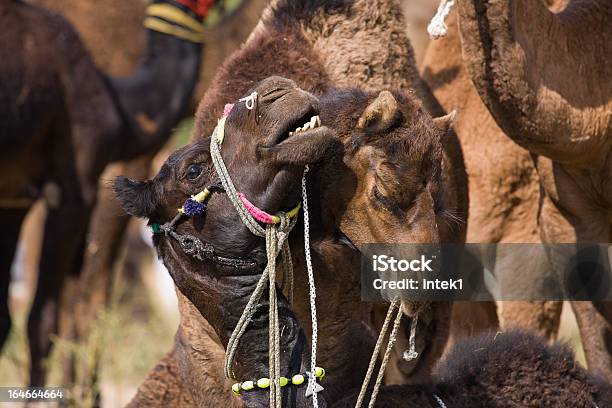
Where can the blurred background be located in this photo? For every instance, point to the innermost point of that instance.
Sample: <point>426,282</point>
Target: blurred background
<point>137,327</point>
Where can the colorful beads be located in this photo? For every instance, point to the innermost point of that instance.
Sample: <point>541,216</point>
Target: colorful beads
<point>248,385</point>
<point>264,383</point>
<point>297,379</point>
<point>319,372</point>
<point>236,388</point>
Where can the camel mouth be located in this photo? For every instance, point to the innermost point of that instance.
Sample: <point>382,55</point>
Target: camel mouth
<point>310,120</point>
<point>313,123</point>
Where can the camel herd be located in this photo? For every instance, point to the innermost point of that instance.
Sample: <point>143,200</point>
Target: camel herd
<point>525,159</point>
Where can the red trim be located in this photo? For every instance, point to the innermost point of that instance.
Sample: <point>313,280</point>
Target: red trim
<point>200,7</point>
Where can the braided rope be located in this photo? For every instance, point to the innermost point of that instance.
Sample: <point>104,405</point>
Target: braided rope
<point>372,365</point>
<point>276,242</point>
<point>312,291</point>
<point>437,27</point>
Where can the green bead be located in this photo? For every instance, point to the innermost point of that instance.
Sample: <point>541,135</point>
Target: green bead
<point>155,228</point>
<point>319,372</point>
<point>236,388</point>
<point>248,385</point>
<point>297,379</point>
<point>263,382</point>
<point>283,381</point>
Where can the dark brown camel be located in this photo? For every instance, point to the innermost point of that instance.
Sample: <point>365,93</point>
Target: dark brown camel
<point>220,285</point>
<point>62,123</point>
<point>545,79</point>
<point>505,370</point>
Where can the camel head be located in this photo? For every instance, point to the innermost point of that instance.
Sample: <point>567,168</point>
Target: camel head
<point>388,186</point>
<point>268,138</point>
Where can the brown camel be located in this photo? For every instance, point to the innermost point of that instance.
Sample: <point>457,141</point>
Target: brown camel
<point>522,74</point>
<point>402,121</point>
<point>503,187</point>
<point>505,370</point>
<point>219,285</point>
<point>62,123</point>
<point>243,68</point>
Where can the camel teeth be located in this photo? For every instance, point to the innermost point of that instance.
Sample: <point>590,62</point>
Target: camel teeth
<point>290,133</point>
<point>318,122</point>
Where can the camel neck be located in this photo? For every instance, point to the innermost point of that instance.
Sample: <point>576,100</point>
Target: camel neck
<point>156,96</point>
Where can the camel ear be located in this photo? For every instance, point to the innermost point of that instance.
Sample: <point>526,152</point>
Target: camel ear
<point>300,149</point>
<point>137,198</point>
<point>381,114</point>
<point>445,123</point>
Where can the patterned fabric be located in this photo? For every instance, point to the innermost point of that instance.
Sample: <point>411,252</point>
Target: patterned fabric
<point>200,7</point>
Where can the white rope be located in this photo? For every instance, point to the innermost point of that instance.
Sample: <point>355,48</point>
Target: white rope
<point>437,27</point>
<point>276,242</point>
<point>312,292</point>
<point>411,353</point>
<point>379,341</point>
<point>439,401</point>
<point>249,101</point>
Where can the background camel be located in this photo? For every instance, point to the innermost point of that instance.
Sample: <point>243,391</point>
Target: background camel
<point>116,49</point>
<point>521,73</point>
<point>67,142</point>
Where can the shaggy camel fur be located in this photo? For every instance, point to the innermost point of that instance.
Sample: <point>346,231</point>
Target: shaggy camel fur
<point>238,73</point>
<point>63,122</point>
<point>520,57</point>
<point>505,370</point>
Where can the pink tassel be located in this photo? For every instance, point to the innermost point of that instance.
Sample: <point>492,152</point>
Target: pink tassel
<point>257,213</point>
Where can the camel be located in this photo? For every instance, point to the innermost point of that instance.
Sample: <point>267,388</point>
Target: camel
<point>71,122</point>
<point>503,188</point>
<point>336,109</point>
<point>510,369</point>
<point>502,43</point>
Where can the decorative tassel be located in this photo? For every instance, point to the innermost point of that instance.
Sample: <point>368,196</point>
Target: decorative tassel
<point>192,207</point>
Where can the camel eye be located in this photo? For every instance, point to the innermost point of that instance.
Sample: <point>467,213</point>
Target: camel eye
<point>194,171</point>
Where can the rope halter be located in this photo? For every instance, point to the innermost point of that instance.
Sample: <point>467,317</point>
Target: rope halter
<point>276,232</point>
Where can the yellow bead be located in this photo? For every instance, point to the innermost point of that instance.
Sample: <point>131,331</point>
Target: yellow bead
<point>283,381</point>
<point>263,382</point>
<point>297,379</point>
<point>248,385</point>
<point>319,372</point>
<point>236,388</point>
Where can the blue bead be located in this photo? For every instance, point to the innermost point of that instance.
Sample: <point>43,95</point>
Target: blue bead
<point>192,208</point>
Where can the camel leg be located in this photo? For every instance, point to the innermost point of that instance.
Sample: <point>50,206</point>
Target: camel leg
<point>596,334</point>
<point>10,224</point>
<point>61,257</point>
<point>567,214</point>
